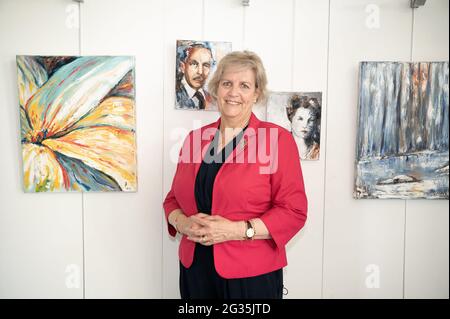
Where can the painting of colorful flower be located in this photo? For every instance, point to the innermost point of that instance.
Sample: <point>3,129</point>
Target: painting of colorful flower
<point>402,138</point>
<point>77,117</point>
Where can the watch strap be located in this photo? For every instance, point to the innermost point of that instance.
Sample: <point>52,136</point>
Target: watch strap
<point>249,226</point>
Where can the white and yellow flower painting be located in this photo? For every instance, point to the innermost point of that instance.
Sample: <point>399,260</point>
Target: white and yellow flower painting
<point>77,117</point>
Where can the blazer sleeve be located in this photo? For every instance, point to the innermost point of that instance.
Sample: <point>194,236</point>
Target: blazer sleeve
<point>170,202</point>
<point>289,203</point>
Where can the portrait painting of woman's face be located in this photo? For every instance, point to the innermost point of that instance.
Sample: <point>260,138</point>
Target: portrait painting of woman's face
<point>299,113</point>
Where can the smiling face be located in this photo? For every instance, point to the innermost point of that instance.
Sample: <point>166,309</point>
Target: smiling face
<point>302,123</point>
<point>196,67</point>
<point>237,93</point>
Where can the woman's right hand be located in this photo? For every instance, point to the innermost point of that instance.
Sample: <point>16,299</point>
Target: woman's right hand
<point>187,226</point>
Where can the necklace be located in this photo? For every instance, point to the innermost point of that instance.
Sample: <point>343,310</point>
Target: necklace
<point>230,133</point>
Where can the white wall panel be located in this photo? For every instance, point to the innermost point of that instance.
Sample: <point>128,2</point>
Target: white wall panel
<point>431,26</point>
<point>224,21</point>
<point>427,236</point>
<point>426,259</point>
<point>123,230</point>
<point>40,234</point>
<point>360,233</point>
<point>309,74</point>
<point>268,32</point>
<point>399,247</point>
<point>183,20</point>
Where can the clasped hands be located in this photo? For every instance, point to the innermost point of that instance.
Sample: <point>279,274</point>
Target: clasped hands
<point>210,229</point>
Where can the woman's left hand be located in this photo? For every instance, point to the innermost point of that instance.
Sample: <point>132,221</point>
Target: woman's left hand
<point>216,229</point>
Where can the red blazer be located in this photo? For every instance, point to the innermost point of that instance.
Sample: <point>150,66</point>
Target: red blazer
<point>261,178</point>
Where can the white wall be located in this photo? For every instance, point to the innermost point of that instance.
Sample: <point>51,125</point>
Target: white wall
<point>40,234</point>
<point>426,235</point>
<point>119,242</point>
<point>359,233</point>
<point>364,237</point>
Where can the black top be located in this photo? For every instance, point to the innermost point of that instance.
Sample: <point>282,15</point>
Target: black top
<point>201,279</point>
<point>208,170</point>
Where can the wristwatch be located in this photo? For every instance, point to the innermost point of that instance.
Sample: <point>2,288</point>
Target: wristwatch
<point>250,231</point>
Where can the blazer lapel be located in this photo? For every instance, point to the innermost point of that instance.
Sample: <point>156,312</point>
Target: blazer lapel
<point>249,138</point>
<point>201,140</point>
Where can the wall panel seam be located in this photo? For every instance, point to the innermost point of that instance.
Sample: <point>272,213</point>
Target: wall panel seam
<point>203,19</point>
<point>293,44</point>
<point>163,150</point>
<point>243,26</point>
<point>325,155</point>
<point>405,201</point>
<point>82,193</point>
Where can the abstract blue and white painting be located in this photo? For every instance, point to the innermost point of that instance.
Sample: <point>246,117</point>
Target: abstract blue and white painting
<point>402,138</point>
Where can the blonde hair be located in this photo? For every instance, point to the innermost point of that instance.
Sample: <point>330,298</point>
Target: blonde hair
<point>244,59</point>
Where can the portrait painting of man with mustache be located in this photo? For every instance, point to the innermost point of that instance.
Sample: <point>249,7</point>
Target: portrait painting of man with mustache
<point>196,62</point>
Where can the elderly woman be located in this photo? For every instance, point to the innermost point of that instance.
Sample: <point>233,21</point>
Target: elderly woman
<point>237,196</point>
